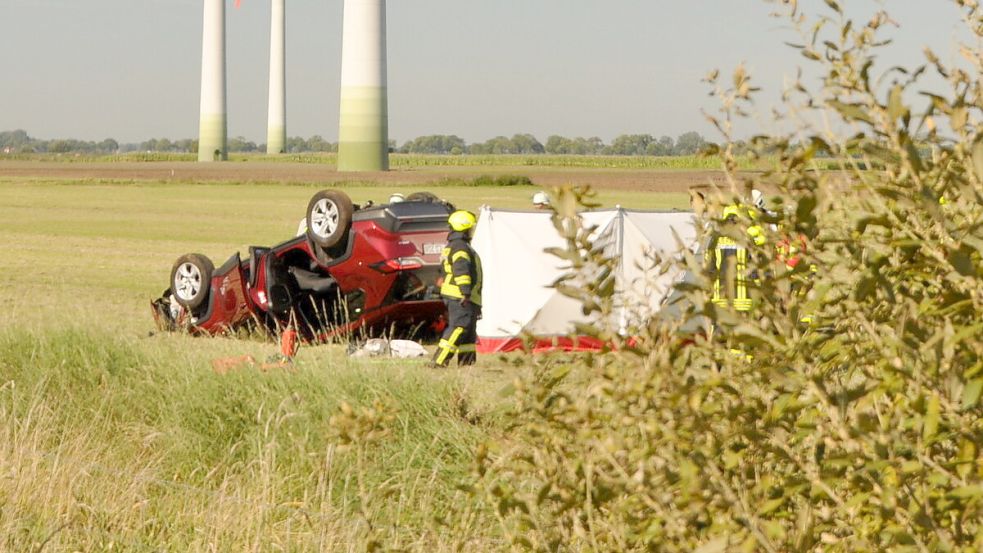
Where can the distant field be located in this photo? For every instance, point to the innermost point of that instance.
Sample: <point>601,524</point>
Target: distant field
<point>412,161</point>
<point>262,171</point>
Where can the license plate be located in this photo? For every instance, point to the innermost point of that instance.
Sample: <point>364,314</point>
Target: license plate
<point>432,248</point>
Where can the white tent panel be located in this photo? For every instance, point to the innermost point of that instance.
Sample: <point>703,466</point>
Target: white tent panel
<point>647,240</point>
<point>555,317</point>
<point>658,228</point>
<point>518,273</point>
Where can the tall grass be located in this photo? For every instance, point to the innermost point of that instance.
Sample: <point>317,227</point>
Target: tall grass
<point>109,443</point>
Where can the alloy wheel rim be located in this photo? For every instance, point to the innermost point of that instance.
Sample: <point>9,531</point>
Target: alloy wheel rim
<point>324,218</point>
<point>187,281</point>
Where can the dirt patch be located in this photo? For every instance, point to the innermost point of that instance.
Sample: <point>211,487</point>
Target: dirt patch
<point>306,173</point>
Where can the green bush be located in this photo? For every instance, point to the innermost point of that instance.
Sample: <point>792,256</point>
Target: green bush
<point>487,180</point>
<point>502,180</point>
<point>844,413</point>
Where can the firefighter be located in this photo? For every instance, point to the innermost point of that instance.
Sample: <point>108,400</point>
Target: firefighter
<point>461,292</point>
<point>729,262</point>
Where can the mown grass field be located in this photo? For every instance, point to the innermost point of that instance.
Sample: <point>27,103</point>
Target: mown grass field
<point>89,247</point>
<point>115,437</point>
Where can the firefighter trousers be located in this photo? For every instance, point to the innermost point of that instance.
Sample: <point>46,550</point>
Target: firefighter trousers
<point>460,335</point>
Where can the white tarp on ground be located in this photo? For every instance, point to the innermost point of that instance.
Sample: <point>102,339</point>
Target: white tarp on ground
<point>517,297</point>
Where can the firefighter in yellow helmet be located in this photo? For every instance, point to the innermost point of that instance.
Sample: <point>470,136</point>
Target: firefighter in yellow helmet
<point>461,292</point>
<point>731,263</point>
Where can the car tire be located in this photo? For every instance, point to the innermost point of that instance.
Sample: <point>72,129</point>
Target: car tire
<point>191,279</point>
<point>329,216</point>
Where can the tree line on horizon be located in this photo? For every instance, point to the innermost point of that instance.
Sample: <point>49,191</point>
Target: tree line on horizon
<point>689,143</point>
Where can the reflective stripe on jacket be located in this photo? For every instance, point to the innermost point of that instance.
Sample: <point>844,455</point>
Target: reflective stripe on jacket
<point>462,270</point>
<point>730,263</point>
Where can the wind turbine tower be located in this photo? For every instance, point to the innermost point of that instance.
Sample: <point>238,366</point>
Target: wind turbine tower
<point>212,126</point>
<point>276,133</point>
<point>363,135</point>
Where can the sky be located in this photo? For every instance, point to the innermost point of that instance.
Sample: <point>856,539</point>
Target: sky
<point>131,69</point>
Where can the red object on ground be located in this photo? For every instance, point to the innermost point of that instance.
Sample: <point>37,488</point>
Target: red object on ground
<point>226,364</point>
<point>288,343</point>
<point>540,345</point>
<point>549,344</point>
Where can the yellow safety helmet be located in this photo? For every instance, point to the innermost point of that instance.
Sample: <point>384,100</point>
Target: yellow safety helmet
<point>733,212</point>
<point>757,234</point>
<point>730,211</point>
<point>462,220</point>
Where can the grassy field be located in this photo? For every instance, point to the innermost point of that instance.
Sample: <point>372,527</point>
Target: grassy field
<point>104,248</point>
<point>115,437</point>
<point>111,442</point>
<point>413,161</point>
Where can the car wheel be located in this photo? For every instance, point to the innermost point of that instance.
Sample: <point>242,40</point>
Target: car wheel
<point>191,279</point>
<point>329,214</point>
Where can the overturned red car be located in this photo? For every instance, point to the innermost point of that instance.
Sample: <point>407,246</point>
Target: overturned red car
<point>372,269</point>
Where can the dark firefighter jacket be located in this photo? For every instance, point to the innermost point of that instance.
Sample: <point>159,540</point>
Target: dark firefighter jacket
<point>462,269</point>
